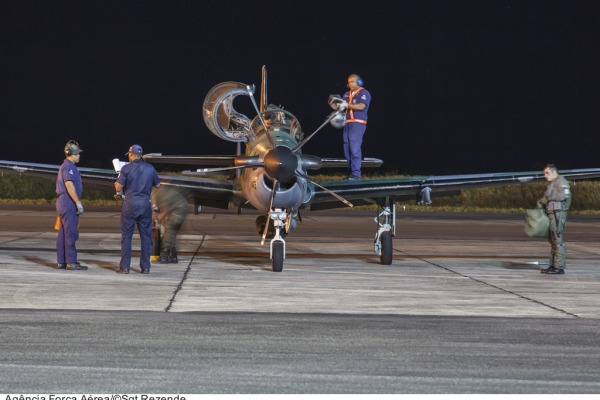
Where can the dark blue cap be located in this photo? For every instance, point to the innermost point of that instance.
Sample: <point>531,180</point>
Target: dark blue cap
<point>135,149</point>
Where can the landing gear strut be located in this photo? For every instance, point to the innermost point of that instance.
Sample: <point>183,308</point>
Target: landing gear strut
<point>386,222</point>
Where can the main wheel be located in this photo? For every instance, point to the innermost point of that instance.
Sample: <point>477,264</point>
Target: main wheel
<point>386,248</point>
<point>277,256</point>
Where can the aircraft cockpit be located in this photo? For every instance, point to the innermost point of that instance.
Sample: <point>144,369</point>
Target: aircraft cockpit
<point>277,119</point>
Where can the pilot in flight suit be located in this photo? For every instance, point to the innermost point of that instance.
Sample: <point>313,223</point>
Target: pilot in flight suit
<point>556,201</point>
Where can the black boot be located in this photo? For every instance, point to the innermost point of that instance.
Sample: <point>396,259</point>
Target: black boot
<point>76,267</point>
<point>173,256</point>
<point>164,256</point>
<point>553,271</point>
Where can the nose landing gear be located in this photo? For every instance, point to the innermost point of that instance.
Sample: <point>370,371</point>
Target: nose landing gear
<point>386,221</point>
<point>281,220</point>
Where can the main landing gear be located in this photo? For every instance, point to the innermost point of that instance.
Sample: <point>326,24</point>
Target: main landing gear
<point>386,221</point>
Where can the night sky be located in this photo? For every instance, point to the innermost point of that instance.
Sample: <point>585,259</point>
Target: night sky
<point>457,86</point>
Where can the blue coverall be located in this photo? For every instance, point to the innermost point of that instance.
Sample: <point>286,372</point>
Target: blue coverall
<point>137,178</point>
<point>356,125</point>
<point>68,233</point>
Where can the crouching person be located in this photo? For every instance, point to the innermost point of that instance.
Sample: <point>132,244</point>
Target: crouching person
<point>172,209</point>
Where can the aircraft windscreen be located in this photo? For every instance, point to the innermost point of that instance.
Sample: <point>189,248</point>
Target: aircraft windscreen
<point>279,119</point>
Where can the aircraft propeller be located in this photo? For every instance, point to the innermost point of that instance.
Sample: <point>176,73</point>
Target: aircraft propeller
<point>281,162</point>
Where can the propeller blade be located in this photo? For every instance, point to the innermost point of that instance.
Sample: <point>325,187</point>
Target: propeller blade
<point>311,162</point>
<point>262,122</point>
<point>264,235</point>
<point>248,161</point>
<point>306,139</point>
<point>240,162</point>
<point>210,170</point>
<point>337,196</point>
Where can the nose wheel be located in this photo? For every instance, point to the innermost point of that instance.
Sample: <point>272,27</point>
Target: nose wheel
<point>280,219</point>
<point>277,254</point>
<point>386,221</point>
<point>385,256</point>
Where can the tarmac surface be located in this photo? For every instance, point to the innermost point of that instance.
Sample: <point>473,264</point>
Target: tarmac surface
<point>462,309</point>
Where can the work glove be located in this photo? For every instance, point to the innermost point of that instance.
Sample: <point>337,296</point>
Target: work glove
<point>541,203</point>
<point>337,103</point>
<point>79,208</point>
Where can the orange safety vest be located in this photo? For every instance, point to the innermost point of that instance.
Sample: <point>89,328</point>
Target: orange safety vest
<point>352,119</point>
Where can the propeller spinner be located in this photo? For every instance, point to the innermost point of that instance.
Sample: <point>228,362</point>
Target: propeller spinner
<point>280,163</point>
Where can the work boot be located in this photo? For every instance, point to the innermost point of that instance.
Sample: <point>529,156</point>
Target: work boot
<point>61,266</point>
<point>164,257</point>
<point>76,266</point>
<point>553,271</point>
<point>556,271</point>
<point>173,256</point>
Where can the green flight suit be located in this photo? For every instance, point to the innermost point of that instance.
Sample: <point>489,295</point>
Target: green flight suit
<point>172,211</point>
<point>556,201</point>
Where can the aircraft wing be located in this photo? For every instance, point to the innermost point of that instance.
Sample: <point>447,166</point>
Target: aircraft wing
<point>370,191</point>
<point>97,178</point>
<point>205,191</point>
<point>158,158</point>
<point>367,162</point>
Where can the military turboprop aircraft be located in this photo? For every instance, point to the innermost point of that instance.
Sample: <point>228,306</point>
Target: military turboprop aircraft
<point>271,176</point>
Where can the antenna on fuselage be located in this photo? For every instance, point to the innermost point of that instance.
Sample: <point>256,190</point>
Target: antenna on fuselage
<point>263,90</point>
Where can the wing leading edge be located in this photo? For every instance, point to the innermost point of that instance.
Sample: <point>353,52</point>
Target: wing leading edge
<point>206,191</point>
<point>371,191</point>
<point>218,193</point>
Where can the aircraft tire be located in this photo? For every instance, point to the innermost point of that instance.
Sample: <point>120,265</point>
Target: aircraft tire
<point>386,248</point>
<point>277,256</point>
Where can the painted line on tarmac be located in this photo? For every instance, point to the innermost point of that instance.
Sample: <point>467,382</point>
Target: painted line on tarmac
<point>188,269</point>
<point>17,239</point>
<point>492,286</point>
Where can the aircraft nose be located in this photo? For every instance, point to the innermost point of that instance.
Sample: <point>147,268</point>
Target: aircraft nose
<point>281,163</point>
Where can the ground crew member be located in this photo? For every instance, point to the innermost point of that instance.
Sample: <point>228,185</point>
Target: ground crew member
<point>358,99</point>
<point>172,208</point>
<point>424,196</point>
<point>135,182</point>
<point>69,189</point>
<point>556,201</point>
